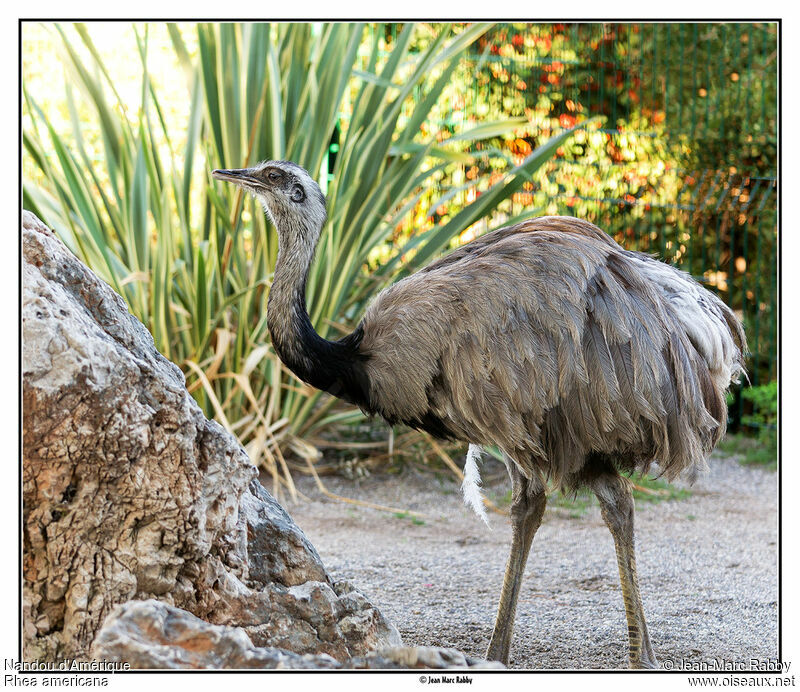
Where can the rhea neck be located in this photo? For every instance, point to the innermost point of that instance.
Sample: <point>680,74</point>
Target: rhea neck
<point>326,365</point>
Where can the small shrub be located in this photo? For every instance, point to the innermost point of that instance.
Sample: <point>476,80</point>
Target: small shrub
<point>760,448</point>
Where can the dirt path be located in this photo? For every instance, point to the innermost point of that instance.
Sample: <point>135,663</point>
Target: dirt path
<point>707,567</point>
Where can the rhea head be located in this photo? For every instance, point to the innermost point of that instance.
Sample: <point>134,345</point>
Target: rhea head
<point>296,206</point>
<point>288,194</point>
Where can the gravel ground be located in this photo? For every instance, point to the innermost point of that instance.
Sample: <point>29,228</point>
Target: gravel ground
<point>707,568</point>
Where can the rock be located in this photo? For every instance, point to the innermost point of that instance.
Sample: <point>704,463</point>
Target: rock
<point>129,493</point>
<point>279,551</point>
<point>151,634</point>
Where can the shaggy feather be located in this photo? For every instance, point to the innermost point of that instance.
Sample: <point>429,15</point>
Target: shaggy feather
<point>471,486</point>
<point>554,343</point>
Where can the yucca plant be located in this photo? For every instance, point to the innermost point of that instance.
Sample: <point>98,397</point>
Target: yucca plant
<point>194,260</point>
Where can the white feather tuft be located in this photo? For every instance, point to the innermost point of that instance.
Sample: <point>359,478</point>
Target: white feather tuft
<point>471,487</point>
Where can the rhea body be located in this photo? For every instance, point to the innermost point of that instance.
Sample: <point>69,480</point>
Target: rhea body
<point>577,358</point>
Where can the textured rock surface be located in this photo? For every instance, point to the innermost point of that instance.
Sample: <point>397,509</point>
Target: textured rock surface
<point>151,634</point>
<point>130,493</point>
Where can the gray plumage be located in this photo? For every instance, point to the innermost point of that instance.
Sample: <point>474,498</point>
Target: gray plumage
<point>575,357</point>
<point>551,341</point>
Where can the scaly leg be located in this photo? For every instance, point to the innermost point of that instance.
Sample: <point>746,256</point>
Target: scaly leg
<point>527,507</point>
<point>616,506</point>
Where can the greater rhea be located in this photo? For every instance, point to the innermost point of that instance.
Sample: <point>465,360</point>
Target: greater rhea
<point>576,358</point>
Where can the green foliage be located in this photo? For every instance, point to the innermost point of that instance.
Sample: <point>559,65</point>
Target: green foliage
<point>722,93</point>
<point>193,258</point>
<point>576,505</point>
<point>414,520</point>
<point>764,405</point>
<point>760,417</point>
<point>761,450</point>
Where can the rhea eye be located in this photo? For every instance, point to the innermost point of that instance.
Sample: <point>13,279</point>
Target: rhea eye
<point>273,176</point>
<point>298,194</point>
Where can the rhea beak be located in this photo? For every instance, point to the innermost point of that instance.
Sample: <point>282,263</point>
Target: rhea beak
<point>240,176</point>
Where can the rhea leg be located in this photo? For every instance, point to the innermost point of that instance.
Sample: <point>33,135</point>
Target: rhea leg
<point>616,506</point>
<point>527,507</point>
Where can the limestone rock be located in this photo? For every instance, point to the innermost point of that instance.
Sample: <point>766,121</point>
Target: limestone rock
<point>151,634</point>
<point>279,551</point>
<point>129,493</point>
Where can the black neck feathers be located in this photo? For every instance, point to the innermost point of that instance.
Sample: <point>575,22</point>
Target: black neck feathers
<point>336,367</point>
